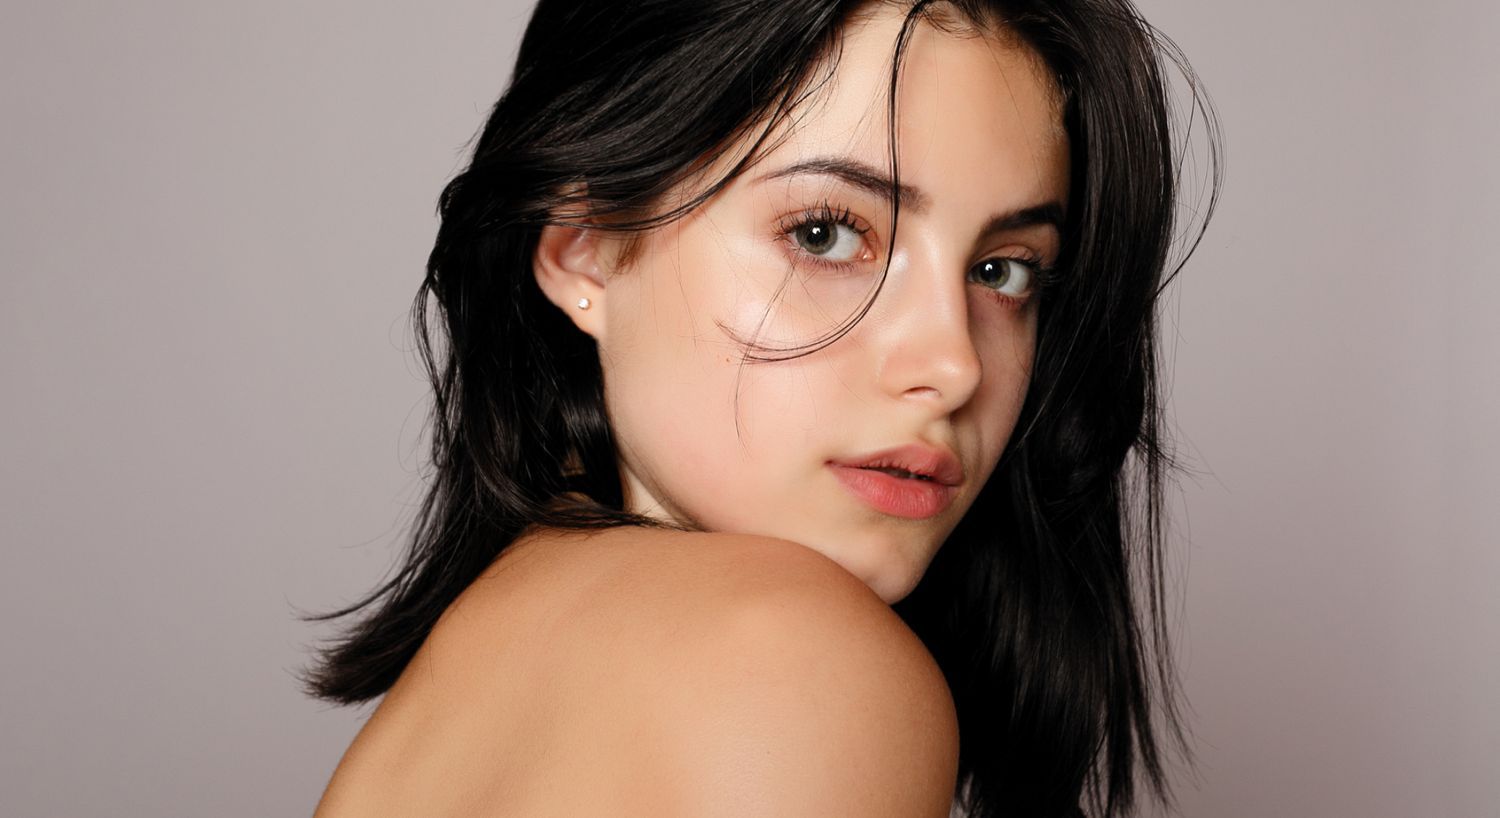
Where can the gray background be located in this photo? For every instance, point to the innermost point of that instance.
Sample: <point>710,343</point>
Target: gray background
<point>215,216</point>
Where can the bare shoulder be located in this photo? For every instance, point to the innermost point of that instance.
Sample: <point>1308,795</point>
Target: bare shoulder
<point>754,676</point>
<point>814,699</point>
<point>637,672</point>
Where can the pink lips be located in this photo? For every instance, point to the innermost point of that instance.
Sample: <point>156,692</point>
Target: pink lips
<point>908,497</point>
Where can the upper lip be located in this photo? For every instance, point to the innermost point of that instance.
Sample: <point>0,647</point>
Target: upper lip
<point>934,462</point>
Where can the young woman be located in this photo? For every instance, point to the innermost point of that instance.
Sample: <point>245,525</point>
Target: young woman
<point>796,431</point>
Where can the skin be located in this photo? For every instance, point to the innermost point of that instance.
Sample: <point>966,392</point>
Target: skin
<point>675,674</point>
<point>568,680</point>
<point>725,446</point>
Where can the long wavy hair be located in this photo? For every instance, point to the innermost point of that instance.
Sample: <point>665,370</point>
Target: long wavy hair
<point>1045,607</point>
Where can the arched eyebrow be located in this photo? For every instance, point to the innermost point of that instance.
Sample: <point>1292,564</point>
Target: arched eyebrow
<point>872,180</point>
<point>859,174</point>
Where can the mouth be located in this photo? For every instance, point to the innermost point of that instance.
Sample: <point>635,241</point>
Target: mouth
<point>913,461</point>
<point>914,481</point>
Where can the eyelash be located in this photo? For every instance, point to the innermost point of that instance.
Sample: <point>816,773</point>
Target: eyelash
<point>822,214</point>
<point>826,213</point>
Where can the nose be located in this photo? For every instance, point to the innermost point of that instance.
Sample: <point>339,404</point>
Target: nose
<point>928,354</point>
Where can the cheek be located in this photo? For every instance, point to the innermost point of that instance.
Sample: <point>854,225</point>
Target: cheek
<point>1008,357</point>
<point>720,465</point>
<point>666,367</point>
<point>673,376</point>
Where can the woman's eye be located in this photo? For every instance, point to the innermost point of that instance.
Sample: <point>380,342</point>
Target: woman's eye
<point>1007,276</point>
<point>828,240</point>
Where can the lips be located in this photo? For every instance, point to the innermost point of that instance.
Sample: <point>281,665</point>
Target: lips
<point>935,464</point>
<point>915,481</point>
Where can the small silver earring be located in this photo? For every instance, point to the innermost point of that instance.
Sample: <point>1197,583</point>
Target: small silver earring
<point>583,303</point>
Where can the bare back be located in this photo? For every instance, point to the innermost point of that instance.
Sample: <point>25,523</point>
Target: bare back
<point>531,696</point>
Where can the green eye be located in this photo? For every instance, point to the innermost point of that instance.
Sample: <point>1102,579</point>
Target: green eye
<point>831,241</point>
<point>826,236</point>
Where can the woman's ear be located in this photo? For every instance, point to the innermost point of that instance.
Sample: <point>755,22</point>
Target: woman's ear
<point>571,265</point>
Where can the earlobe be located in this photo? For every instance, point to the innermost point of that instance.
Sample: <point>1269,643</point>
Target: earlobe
<point>570,270</point>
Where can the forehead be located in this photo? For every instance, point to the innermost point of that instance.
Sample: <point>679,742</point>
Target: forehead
<point>978,117</point>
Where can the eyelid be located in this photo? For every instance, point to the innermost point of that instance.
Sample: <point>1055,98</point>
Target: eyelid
<point>824,213</point>
<point>1040,276</point>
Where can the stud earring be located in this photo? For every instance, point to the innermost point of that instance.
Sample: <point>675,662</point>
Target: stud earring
<point>583,303</point>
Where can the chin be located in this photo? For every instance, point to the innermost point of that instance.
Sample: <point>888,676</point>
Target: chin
<point>894,588</point>
<point>892,573</point>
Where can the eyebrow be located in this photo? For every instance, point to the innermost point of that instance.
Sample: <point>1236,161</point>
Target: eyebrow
<point>868,178</point>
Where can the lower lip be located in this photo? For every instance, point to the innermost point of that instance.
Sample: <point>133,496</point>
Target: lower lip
<point>897,496</point>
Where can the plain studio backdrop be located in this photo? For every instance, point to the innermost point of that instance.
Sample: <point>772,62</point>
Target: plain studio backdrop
<point>215,216</point>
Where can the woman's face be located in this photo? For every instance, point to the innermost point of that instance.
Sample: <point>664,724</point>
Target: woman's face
<point>791,248</point>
